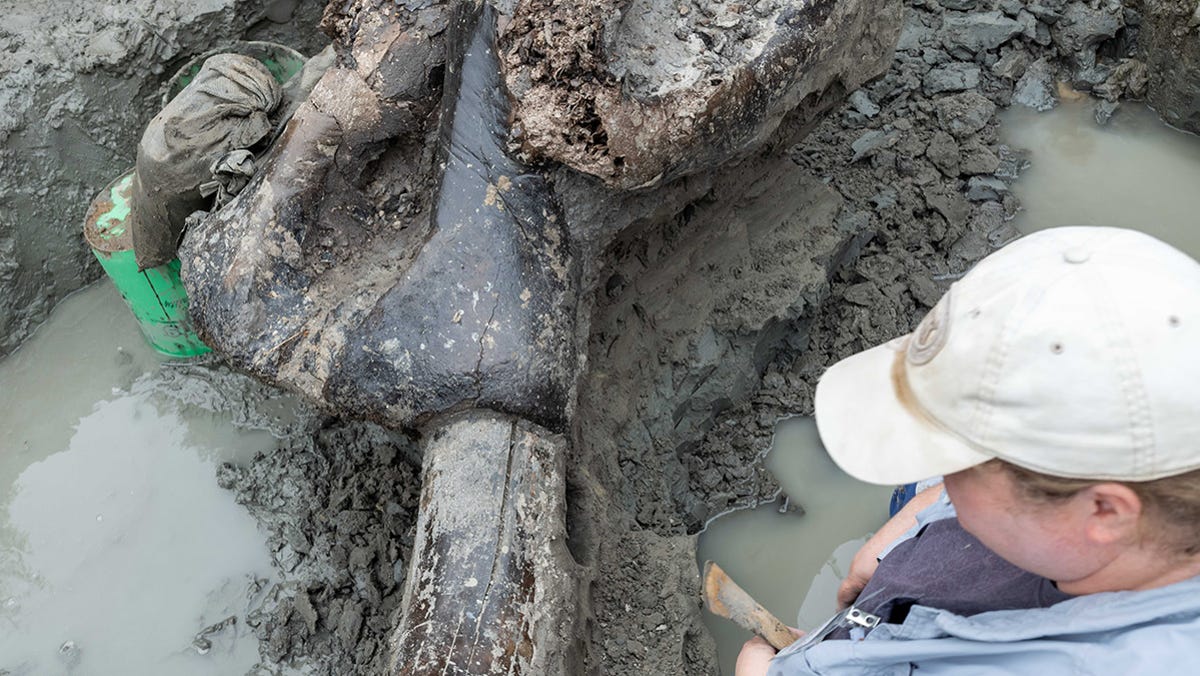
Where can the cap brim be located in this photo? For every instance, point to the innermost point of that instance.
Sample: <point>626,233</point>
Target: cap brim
<point>872,435</point>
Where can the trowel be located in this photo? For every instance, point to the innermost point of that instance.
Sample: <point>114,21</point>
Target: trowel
<point>725,598</point>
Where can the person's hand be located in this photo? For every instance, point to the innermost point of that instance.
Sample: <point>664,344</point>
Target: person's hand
<point>862,567</point>
<point>756,655</point>
<point>866,560</point>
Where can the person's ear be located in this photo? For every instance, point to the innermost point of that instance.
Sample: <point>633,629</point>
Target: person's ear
<point>1113,513</point>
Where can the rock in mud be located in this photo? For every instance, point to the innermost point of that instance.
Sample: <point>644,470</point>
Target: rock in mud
<point>965,114</point>
<point>953,77</point>
<point>1082,27</point>
<point>1037,88</point>
<point>1012,65</point>
<point>1105,111</point>
<point>978,158</point>
<point>978,32</point>
<point>870,143</point>
<point>985,188</point>
<point>943,151</point>
<point>1013,161</point>
<point>914,34</point>
<point>861,101</point>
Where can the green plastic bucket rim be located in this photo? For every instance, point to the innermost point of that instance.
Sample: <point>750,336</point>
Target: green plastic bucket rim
<point>271,54</point>
<point>106,223</point>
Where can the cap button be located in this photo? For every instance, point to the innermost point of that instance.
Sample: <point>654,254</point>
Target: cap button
<point>1076,255</point>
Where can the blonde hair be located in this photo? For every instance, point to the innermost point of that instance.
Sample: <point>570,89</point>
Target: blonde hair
<point>1172,503</point>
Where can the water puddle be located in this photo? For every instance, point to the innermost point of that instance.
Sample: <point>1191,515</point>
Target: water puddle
<point>1137,172</point>
<point>117,547</point>
<point>793,560</point>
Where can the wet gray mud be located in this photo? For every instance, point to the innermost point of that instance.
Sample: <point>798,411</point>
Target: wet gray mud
<point>339,506</point>
<point>714,319</point>
<point>119,553</point>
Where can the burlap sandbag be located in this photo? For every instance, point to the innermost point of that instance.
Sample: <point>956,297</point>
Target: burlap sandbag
<point>226,107</point>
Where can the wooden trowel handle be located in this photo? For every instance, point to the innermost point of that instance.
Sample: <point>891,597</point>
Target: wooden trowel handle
<point>725,598</point>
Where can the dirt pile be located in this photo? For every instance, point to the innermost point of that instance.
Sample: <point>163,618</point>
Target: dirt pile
<point>78,83</point>
<point>340,505</point>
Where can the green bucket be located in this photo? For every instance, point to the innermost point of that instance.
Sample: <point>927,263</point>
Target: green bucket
<point>156,296</point>
<point>281,60</point>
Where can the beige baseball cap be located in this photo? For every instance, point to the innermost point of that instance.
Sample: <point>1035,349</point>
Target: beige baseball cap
<point>1073,352</point>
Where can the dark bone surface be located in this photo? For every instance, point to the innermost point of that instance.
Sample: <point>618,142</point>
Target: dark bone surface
<point>490,589</point>
<point>396,263</point>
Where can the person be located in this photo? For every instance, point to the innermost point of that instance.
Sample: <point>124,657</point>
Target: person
<point>1056,389</point>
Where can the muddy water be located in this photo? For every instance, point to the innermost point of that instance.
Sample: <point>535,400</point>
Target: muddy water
<point>1136,172</point>
<point>793,561</point>
<point>117,547</point>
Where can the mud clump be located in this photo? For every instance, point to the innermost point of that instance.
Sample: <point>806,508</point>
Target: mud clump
<point>339,507</point>
<point>337,501</point>
<point>639,94</point>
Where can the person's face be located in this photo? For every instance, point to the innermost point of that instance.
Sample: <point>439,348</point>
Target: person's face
<point>1045,539</point>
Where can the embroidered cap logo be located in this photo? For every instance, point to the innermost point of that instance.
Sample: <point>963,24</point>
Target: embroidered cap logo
<point>932,333</point>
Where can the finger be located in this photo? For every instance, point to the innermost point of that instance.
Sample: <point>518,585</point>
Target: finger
<point>755,642</point>
<point>755,658</point>
<point>847,592</point>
